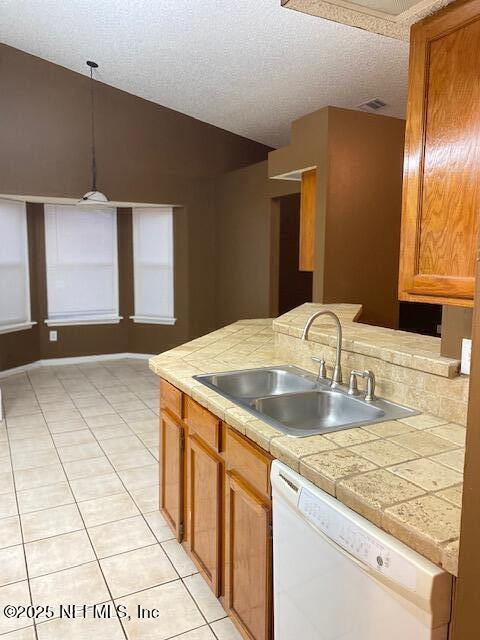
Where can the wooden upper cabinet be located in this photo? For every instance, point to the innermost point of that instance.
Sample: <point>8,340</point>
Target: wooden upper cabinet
<point>441,197</point>
<point>307,220</point>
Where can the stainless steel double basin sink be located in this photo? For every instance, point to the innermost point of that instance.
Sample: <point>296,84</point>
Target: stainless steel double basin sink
<point>298,404</point>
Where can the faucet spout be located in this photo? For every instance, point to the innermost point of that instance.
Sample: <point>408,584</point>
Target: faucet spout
<point>337,371</point>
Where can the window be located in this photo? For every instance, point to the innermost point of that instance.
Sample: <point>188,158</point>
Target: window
<point>153,265</point>
<point>82,272</point>
<point>14,275</point>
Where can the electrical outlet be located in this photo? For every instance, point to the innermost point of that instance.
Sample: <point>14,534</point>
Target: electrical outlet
<point>466,356</point>
<point>53,336</point>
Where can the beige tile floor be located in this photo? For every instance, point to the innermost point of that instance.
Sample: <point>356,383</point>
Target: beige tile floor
<point>79,519</point>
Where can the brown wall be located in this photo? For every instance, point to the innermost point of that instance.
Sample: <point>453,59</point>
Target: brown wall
<point>308,149</point>
<point>23,346</point>
<point>358,157</point>
<point>245,219</point>
<point>456,325</point>
<point>145,153</point>
<point>364,199</point>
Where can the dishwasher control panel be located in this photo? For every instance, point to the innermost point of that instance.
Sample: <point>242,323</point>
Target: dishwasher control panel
<point>355,540</point>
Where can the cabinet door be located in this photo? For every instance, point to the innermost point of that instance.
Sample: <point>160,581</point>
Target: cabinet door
<point>441,198</point>
<point>248,558</point>
<point>171,472</point>
<point>308,205</point>
<point>204,499</point>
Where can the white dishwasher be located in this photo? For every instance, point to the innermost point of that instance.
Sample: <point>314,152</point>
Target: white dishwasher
<point>338,577</point>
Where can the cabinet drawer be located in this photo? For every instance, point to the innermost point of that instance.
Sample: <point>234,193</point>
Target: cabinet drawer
<point>171,398</point>
<point>248,461</point>
<point>207,426</point>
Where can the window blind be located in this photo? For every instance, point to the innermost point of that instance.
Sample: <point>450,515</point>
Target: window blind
<point>14,276</point>
<point>82,269</point>
<point>153,265</point>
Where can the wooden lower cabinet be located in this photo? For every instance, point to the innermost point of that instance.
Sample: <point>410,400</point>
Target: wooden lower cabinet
<point>172,444</point>
<point>204,506</point>
<point>248,559</point>
<point>215,495</point>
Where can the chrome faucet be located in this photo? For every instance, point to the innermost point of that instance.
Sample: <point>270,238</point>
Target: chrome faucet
<point>337,371</point>
<point>370,378</point>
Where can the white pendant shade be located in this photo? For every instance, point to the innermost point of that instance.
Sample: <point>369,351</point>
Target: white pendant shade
<point>93,197</point>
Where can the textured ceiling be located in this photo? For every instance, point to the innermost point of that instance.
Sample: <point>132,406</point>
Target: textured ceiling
<point>248,66</point>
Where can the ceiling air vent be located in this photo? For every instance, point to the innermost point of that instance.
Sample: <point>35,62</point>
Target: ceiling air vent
<point>388,17</point>
<point>372,105</point>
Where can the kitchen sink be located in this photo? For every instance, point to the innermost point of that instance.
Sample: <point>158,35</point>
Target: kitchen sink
<point>255,383</point>
<point>298,404</point>
<point>302,414</point>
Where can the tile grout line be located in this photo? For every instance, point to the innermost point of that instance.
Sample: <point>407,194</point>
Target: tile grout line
<point>159,543</point>
<point>84,524</point>
<point>147,524</point>
<point>161,546</point>
<point>193,598</point>
<point>76,531</point>
<point>69,480</point>
<point>116,472</point>
<point>181,578</point>
<point>34,625</point>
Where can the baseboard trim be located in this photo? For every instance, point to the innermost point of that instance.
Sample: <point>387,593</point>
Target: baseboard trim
<point>52,362</point>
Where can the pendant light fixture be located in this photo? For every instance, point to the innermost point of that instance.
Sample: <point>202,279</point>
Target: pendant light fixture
<point>93,197</point>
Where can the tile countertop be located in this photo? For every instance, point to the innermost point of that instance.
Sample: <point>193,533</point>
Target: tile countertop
<point>404,476</point>
<point>412,350</point>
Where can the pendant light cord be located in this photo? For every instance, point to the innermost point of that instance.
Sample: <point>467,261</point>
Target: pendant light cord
<point>94,161</point>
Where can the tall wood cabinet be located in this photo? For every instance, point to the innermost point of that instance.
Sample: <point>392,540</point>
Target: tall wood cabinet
<point>441,197</point>
<point>215,495</point>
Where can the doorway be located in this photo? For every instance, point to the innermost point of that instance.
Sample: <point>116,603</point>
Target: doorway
<point>294,286</point>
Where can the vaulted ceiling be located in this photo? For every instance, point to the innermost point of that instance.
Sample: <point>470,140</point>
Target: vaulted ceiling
<point>249,66</point>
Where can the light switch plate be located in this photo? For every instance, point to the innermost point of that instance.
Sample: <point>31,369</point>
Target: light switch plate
<point>53,336</point>
<point>466,355</point>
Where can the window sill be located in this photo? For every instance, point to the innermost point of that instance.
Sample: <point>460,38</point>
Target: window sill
<point>152,320</point>
<point>69,322</point>
<point>12,328</point>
